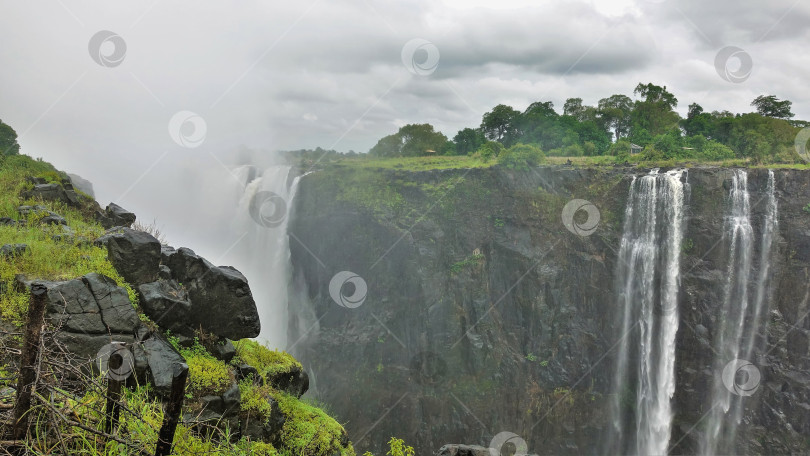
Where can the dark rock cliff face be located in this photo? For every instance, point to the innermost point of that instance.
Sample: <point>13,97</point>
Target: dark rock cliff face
<point>483,313</point>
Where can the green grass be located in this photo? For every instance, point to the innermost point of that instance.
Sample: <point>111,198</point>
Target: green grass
<point>268,362</point>
<point>206,374</point>
<point>62,260</point>
<point>416,163</point>
<point>46,258</point>
<point>308,430</point>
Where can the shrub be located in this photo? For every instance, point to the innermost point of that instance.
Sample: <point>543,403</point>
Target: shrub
<point>713,150</point>
<point>620,147</point>
<point>521,156</point>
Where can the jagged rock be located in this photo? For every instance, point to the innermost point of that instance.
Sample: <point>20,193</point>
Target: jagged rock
<point>220,297</point>
<point>8,221</point>
<point>82,184</point>
<point>51,218</point>
<point>164,272</point>
<point>270,431</point>
<point>134,254</point>
<point>10,250</point>
<point>231,400</point>
<point>166,303</point>
<point>25,209</point>
<point>223,350</point>
<point>54,192</point>
<point>92,304</point>
<point>464,450</point>
<point>87,346</point>
<point>161,357</point>
<point>90,312</point>
<point>115,215</point>
<point>295,381</point>
<point>244,371</point>
<point>54,219</point>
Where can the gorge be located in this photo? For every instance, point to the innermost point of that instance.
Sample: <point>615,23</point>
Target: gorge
<point>483,314</point>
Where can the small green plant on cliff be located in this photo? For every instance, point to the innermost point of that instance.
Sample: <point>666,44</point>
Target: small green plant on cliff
<point>397,448</point>
<point>206,374</point>
<point>472,260</point>
<point>806,208</point>
<point>268,362</point>
<point>687,245</point>
<point>308,430</point>
<point>254,400</point>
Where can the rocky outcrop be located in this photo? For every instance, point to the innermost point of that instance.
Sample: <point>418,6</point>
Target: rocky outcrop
<point>294,381</point>
<point>12,250</point>
<point>180,291</point>
<point>49,218</point>
<point>221,301</point>
<point>90,311</point>
<point>134,254</point>
<point>55,192</point>
<point>166,303</point>
<point>115,215</point>
<point>475,271</point>
<point>82,184</point>
<point>160,357</point>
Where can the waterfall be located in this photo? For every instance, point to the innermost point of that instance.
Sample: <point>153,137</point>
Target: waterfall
<point>647,284</point>
<point>264,249</point>
<point>739,317</point>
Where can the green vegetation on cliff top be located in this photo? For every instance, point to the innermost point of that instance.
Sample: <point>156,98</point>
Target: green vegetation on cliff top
<point>308,430</point>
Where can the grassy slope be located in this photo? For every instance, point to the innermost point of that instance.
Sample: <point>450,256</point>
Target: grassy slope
<point>463,161</point>
<point>308,430</point>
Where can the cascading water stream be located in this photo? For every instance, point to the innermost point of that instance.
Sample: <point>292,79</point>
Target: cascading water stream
<point>739,318</point>
<point>648,281</point>
<point>264,247</point>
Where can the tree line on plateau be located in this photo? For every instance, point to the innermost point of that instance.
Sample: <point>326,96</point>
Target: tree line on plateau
<point>618,125</point>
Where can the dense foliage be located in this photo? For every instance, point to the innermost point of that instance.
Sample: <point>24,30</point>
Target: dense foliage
<point>8,140</point>
<point>618,126</point>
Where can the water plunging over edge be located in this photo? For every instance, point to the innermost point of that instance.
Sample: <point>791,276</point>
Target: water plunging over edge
<point>265,248</point>
<point>647,284</point>
<point>738,322</point>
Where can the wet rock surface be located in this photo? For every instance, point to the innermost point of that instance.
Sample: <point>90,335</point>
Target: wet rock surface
<point>515,314</point>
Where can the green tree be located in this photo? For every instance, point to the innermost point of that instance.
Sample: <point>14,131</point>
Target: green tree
<point>655,111</point>
<point>410,141</point>
<point>770,106</point>
<point>389,146</point>
<point>615,111</point>
<point>698,122</point>
<point>468,141</point>
<point>573,107</point>
<point>500,123</point>
<point>8,140</point>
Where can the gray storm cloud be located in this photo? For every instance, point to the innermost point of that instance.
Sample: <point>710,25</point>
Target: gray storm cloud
<point>292,75</point>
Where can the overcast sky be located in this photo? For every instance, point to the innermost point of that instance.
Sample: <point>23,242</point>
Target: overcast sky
<point>332,73</point>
